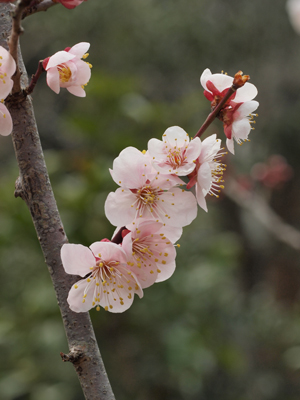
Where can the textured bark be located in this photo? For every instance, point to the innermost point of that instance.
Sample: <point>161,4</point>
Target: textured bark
<point>33,186</point>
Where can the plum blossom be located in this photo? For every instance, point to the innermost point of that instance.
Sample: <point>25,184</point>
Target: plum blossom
<point>217,85</point>
<point>208,173</point>
<point>149,249</point>
<point>69,3</point>
<point>145,193</point>
<point>66,69</point>
<point>108,281</point>
<point>237,120</point>
<point>175,154</point>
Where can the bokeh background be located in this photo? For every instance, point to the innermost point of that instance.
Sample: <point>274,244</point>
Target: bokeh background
<point>227,324</point>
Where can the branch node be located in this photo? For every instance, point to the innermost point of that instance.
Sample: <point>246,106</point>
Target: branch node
<point>19,191</point>
<point>72,357</point>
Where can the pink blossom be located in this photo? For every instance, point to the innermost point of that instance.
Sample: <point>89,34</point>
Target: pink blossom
<point>207,175</point>
<point>6,123</point>
<point>237,120</point>
<point>69,3</point>
<point>66,69</point>
<point>175,154</point>
<point>145,193</point>
<point>217,85</point>
<point>7,69</point>
<point>149,249</point>
<point>108,280</point>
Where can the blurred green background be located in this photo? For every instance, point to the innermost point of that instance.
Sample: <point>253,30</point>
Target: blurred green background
<point>227,324</point>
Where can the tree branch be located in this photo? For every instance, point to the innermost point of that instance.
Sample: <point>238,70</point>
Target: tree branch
<point>33,186</point>
<point>37,6</point>
<point>263,213</point>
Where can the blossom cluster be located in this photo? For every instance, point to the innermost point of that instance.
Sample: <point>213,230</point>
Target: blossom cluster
<point>153,203</point>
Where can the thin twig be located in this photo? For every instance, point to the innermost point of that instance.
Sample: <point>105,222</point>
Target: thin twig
<point>34,187</point>
<point>35,78</point>
<point>37,7</point>
<point>13,42</point>
<point>260,209</point>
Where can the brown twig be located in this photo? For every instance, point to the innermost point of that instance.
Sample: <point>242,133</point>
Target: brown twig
<point>37,6</point>
<point>13,42</point>
<point>34,187</point>
<point>35,78</point>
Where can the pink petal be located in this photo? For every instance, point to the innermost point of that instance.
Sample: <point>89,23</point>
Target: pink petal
<point>79,49</point>
<point>77,259</point>
<point>53,79</point>
<point>6,124</point>
<point>130,168</point>
<point>119,207</point>
<point>179,210</point>
<point>59,58</point>
<point>8,63</point>
<point>108,251</point>
<point>75,299</point>
<point>76,91</point>
<point>83,74</point>
<point>176,136</point>
<point>166,271</point>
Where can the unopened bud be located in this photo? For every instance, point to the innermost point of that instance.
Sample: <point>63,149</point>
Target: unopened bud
<point>240,80</point>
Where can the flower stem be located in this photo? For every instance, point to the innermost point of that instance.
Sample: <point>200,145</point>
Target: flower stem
<point>35,78</point>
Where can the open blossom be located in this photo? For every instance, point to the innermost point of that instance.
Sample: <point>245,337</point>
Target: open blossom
<point>69,3</point>
<point>217,85</point>
<point>151,251</point>
<point>237,120</point>
<point>108,280</point>
<point>66,69</point>
<point>145,193</point>
<point>207,175</point>
<point>175,154</point>
<point>7,69</point>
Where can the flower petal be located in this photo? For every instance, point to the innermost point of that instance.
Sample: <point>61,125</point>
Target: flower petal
<point>76,300</point>
<point>77,259</point>
<point>76,91</point>
<point>79,49</point>
<point>53,79</point>
<point>6,124</point>
<point>119,207</point>
<point>245,93</point>
<point>59,58</point>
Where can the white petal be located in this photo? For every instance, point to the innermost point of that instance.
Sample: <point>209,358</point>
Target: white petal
<point>245,109</point>
<point>206,75</point>
<point>79,49</point>
<point>241,129</point>
<point>204,177</point>
<point>221,81</point>
<point>176,136</point>
<point>200,197</point>
<point>230,145</point>
<point>166,271</point>
<point>77,259</point>
<point>245,93</point>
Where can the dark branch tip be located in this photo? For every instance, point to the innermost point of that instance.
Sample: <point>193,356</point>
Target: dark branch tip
<point>72,357</point>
